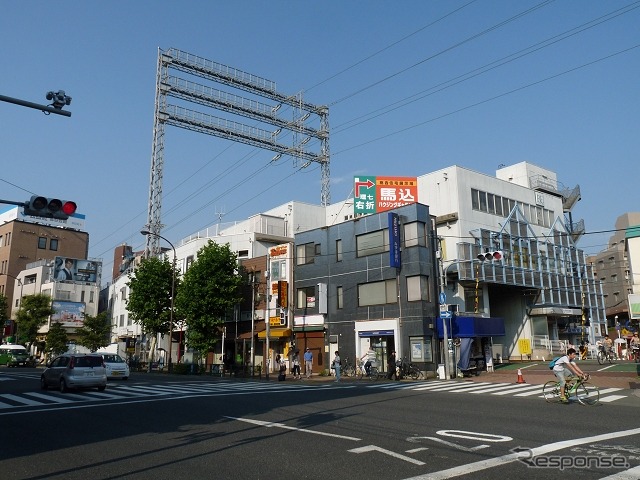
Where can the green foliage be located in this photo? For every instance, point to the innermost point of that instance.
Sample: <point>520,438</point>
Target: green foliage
<point>4,307</point>
<point>149,302</point>
<point>33,314</point>
<point>56,339</point>
<point>209,291</point>
<point>94,334</point>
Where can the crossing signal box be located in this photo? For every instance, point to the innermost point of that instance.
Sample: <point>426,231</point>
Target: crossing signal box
<point>38,206</point>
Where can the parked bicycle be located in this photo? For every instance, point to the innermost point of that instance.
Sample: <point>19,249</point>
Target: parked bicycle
<point>604,356</point>
<point>405,369</point>
<point>348,369</point>
<point>586,393</point>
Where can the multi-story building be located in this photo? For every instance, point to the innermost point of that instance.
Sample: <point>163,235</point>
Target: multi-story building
<point>542,285</point>
<point>368,283</point>
<point>618,268</point>
<point>25,240</point>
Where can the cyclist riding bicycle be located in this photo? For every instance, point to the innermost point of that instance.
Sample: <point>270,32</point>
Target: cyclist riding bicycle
<point>564,367</point>
<point>368,358</point>
<point>607,343</point>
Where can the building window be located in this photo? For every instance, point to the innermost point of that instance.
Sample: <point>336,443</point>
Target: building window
<point>305,253</point>
<point>129,321</point>
<point>307,297</point>
<point>339,298</point>
<point>377,293</point>
<point>42,243</point>
<point>243,253</point>
<point>122,320</point>
<point>91,296</point>
<point>82,296</point>
<point>338,250</point>
<point>372,243</point>
<point>188,262</point>
<point>415,234</point>
<point>470,300</point>
<point>53,244</point>
<point>418,288</point>
<point>421,349</point>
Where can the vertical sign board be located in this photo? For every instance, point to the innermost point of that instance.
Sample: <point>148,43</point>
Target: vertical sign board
<point>634,306</point>
<point>394,240</point>
<point>379,194</point>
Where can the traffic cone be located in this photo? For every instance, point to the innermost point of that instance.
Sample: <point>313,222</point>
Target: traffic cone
<point>520,377</point>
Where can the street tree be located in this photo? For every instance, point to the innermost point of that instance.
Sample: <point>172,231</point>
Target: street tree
<point>149,302</point>
<point>33,314</point>
<point>57,339</point>
<point>94,334</point>
<point>4,306</point>
<point>210,289</point>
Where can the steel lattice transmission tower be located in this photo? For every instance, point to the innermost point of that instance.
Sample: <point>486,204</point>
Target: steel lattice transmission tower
<point>304,116</point>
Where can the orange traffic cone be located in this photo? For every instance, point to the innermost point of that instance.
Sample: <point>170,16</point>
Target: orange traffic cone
<point>520,377</point>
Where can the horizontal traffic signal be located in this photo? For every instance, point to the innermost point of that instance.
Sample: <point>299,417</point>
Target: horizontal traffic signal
<point>491,256</point>
<point>38,206</point>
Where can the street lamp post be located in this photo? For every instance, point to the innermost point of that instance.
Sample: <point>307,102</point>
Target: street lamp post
<point>173,292</point>
<point>21,287</point>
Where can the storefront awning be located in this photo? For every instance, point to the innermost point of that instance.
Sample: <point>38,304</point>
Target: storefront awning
<point>471,327</point>
<point>275,333</point>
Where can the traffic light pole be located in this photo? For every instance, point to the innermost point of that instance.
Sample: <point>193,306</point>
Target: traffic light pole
<point>44,108</point>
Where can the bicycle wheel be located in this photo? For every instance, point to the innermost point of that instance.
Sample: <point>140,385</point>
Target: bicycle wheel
<point>349,371</point>
<point>601,358</point>
<point>374,373</point>
<point>551,391</point>
<point>588,394</point>
<point>414,373</point>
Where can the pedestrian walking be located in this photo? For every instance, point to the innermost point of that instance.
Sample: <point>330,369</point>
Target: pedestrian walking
<point>296,365</point>
<point>391,365</point>
<point>336,365</point>
<point>308,362</point>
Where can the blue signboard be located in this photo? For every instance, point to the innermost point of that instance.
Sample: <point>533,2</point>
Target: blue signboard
<point>443,298</point>
<point>394,240</point>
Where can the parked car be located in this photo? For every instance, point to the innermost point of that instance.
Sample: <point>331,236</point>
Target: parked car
<point>16,356</point>
<point>75,370</point>
<point>116,366</point>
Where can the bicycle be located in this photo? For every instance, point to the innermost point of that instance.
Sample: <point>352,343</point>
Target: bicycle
<point>586,393</point>
<point>406,369</point>
<point>361,373</point>
<point>348,370</point>
<point>603,356</point>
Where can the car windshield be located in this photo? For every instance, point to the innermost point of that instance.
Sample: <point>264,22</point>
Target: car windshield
<point>89,361</point>
<point>113,359</point>
<point>18,351</point>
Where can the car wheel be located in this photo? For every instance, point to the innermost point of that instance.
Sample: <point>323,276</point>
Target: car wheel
<point>125,378</point>
<point>101,388</point>
<point>43,383</point>
<point>63,386</point>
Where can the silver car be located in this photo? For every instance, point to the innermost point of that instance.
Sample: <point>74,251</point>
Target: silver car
<point>75,370</point>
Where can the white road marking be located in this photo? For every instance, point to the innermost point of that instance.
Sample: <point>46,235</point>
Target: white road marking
<point>471,468</point>
<point>450,444</point>
<point>51,398</point>
<point>22,400</point>
<point>631,474</point>
<point>537,388</point>
<point>373,448</point>
<point>286,427</point>
<point>612,398</point>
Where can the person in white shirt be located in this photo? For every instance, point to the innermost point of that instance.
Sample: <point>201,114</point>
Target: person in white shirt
<point>565,366</point>
<point>368,358</point>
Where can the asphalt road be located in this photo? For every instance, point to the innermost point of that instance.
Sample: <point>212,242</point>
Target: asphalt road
<point>172,427</point>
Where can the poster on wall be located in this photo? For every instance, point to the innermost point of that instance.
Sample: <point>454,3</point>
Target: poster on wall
<point>69,314</point>
<point>67,269</point>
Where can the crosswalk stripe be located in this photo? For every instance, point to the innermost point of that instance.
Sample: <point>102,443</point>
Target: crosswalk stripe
<point>459,386</point>
<point>6,405</point>
<point>24,401</point>
<point>611,398</point>
<point>50,398</point>
<point>518,389</point>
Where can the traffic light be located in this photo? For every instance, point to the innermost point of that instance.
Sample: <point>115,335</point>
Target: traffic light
<point>491,256</point>
<point>39,206</point>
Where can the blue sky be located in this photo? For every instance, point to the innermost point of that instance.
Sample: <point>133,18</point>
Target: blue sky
<point>563,95</point>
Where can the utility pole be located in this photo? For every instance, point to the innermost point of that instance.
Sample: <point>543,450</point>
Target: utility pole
<point>445,335</point>
<point>267,356</point>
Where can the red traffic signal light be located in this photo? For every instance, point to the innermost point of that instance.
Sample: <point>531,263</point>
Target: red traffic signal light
<point>45,207</point>
<point>490,256</point>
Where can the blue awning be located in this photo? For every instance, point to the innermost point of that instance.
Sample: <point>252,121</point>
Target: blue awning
<point>471,327</point>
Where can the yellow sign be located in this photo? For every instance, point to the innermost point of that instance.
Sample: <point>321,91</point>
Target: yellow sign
<point>275,321</point>
<point>525,346</point>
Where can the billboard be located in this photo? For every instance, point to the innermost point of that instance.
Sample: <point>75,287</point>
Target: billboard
<point>69,314</point>
<point>379,194</point>
<point>68,269</point>
<point>9,213</point>
<point>634,306</point>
